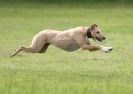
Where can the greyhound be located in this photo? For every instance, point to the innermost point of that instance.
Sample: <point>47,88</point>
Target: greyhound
<point>68,40</point>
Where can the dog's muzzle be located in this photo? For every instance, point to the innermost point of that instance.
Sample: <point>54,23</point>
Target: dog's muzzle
<point>100,39</point>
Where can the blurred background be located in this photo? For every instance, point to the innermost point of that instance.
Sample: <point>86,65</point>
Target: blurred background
<point>70,1</point>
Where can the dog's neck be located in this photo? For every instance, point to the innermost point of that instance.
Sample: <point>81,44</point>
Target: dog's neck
<point>89,33</point>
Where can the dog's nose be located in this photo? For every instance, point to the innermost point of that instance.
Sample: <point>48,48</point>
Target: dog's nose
<point>104,38</point>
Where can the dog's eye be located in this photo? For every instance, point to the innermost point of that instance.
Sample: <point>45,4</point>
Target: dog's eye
<point>98,32</point>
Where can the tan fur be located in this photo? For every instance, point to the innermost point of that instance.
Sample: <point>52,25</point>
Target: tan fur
<point>68,40</point>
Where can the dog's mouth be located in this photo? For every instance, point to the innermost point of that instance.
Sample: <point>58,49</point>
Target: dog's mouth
<point>100,39</point>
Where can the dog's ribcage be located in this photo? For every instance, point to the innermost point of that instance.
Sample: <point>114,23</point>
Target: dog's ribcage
<point>65,41</point>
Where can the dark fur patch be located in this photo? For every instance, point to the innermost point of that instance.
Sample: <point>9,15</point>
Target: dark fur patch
<point>89,33</point>
<point>44,48</point>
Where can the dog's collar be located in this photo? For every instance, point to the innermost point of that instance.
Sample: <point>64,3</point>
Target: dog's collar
<point>89,33</point>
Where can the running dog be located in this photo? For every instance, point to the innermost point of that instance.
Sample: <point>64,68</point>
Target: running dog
<point>68,40</point>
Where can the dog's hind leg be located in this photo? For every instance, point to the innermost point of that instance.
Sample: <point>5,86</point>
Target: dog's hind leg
<point>25,49</point>
<point>36,47</point>
<point>39,45</point>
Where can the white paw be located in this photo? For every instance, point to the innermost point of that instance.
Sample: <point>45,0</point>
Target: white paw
<point>106,49</point>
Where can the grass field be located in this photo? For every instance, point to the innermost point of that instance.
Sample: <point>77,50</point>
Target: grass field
<point>60,72</point>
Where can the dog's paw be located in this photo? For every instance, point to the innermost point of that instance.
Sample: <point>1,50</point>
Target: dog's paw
<point>106,49</point>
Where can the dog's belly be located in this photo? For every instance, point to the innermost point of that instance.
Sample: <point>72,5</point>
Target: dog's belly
<point>70,47</point>
<point>66,44</point>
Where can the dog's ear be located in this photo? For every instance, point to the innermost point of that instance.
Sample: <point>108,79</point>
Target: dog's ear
<point>93,26</point>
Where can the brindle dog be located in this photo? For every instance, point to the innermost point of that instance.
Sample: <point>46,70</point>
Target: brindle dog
<point>68,40</point>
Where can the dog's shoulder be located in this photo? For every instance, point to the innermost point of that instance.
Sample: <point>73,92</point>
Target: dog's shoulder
<point>81,30</point>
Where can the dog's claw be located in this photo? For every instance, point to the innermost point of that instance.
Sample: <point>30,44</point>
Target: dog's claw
<point>111,49</point>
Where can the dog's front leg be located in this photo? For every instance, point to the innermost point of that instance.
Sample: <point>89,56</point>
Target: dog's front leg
<point>106,49</point>
<point>95,48</point>
<point>81,41</point>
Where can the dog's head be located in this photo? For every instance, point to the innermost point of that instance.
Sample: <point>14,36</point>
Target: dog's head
<point>95,32</point>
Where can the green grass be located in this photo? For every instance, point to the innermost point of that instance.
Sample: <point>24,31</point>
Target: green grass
<point>60,72</point>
